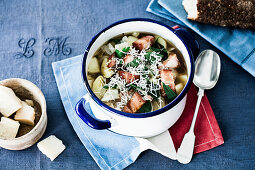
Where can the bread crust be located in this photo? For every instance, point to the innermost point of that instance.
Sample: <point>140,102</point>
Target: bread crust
<point>227,13</point>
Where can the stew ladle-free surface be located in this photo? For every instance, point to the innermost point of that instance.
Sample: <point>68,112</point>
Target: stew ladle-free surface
<point>207,71</point>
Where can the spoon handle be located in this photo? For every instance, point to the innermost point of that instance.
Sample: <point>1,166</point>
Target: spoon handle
<point>200,95</point>
<point>185,151</point>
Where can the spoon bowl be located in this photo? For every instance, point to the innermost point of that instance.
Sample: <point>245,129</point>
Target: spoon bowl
<point>207,69</point>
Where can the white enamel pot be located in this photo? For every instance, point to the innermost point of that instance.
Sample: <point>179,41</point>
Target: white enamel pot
<point>142,124</point>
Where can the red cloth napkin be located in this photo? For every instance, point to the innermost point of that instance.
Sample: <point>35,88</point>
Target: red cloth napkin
<point>207,131</point>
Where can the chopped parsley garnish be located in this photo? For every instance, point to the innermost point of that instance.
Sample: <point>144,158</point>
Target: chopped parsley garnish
<point>135,87</point>
<point>152,72</point>
<point>107,87</point>
<point>126,49</point>
<point>160,49</point>
<point>134,63</point>
<point>170,94</point>
<point>116,40</point>
<point>147,107</point>
<point>121,54</point>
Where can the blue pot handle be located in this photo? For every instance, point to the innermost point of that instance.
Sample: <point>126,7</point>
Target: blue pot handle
<point>90,119</point>
<point>189,40</point>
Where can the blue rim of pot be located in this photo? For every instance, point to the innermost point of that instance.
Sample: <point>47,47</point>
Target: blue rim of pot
<point>137,115</point>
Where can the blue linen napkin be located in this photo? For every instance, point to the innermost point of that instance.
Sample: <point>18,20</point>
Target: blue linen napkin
<point>97,142</point>
<point>110,150</point>
<point>237,44</point>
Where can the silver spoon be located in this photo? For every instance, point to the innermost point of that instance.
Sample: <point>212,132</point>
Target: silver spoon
<point>207,71</point>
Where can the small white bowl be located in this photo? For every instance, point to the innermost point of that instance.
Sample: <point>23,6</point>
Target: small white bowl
<point>27,90</point>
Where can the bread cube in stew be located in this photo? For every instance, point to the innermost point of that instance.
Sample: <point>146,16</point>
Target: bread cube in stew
<point>136,102</point>
<point>112,61</point>
<point>144,42</point>
<point>128,76</point>
<point>128,58</point>
<point>127,109</point>
<point>168,78</point>
<point>171,62</point>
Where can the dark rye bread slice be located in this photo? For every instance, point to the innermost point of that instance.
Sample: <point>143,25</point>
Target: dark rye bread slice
<point>230,13</point>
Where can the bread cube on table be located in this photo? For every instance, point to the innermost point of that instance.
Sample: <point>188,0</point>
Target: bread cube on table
<point>51,147</point>
<point>9,102</point>
<point>8,128</point>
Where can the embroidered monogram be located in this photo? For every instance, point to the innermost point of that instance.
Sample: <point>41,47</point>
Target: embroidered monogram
<point>56,46</point>
<point>26,46</point>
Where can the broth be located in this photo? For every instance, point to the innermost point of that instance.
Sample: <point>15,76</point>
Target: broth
<point>137,72</point>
